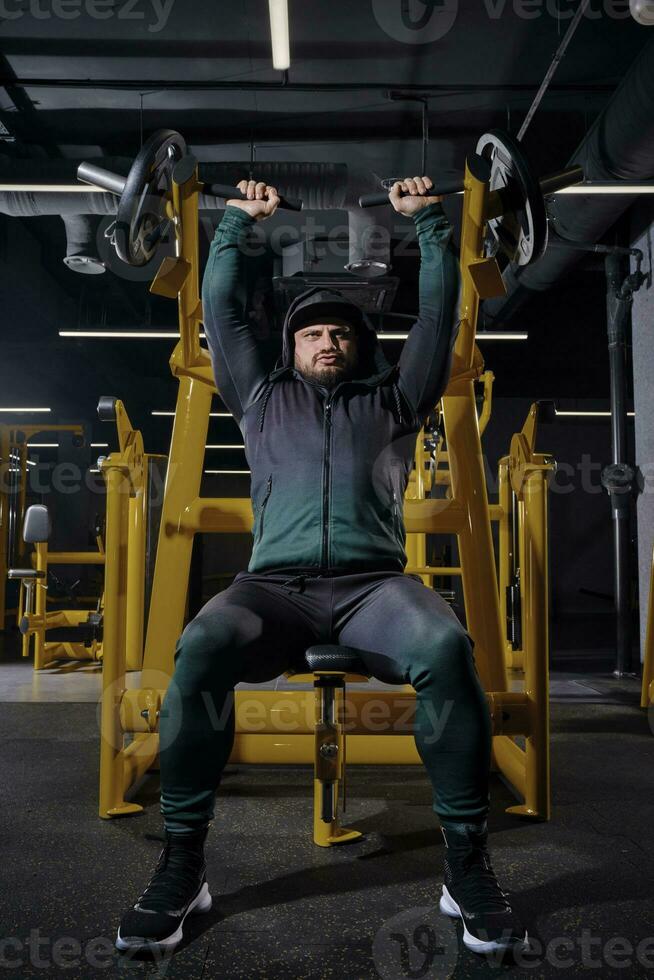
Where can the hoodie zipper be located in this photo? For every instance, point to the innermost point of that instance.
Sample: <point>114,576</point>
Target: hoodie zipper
<point>324,559</point>
<point>263,507</point>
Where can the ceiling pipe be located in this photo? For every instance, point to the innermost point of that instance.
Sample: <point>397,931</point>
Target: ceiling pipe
<point>618,146</point>
<point>205,85</point>
<point>321,186</point>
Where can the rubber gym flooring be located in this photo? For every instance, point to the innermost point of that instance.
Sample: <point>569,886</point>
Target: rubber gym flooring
<point>284,908</point>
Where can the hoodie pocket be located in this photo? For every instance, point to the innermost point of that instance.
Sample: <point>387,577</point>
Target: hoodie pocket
<point>261,510</point>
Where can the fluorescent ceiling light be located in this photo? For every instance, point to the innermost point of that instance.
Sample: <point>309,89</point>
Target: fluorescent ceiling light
<point>213,415</point>
<point>53,188</point>
<point>480,336</point>
<point>55,445</point>
<point>226,471</point>
<point>588,413</point>
<point>589,187</point>
<point>174,335</point>
<point>224,447</point>
<point>600,187</point>
<point>17,410</point>
<point>125,334</point>
<point>281,54</point>
<point>608,187</point>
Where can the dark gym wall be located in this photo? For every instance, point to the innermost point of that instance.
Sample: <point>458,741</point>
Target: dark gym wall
<point>643,361</point>
<point>580,530</point>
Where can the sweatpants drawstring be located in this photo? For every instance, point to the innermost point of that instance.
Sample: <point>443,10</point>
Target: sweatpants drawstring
<point>298,578</point>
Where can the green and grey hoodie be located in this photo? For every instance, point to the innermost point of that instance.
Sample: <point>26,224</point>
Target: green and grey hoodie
<point>329,468</point>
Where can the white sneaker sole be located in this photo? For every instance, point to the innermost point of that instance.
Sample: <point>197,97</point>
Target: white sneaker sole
<point>201,903</point>
<point>449,907</point>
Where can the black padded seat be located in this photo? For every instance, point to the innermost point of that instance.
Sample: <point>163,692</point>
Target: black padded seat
<point>331,656</point>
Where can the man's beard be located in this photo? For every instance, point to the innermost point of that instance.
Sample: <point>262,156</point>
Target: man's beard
<point>327,375</point>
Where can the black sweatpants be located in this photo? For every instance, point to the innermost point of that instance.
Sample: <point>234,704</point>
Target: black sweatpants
<point>261,625</point>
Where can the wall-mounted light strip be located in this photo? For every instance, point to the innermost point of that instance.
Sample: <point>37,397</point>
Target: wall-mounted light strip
<point>213,415</point>
<point>602,187</point>
<point>224,447</point>
<point>17,411</point>
<point>589,187</point>
<point>125,334</point>
<point>172,335</point>
<point>55,445</point>
<point>52,188</point>
<point>484,335</point>
<point>609,187</point>
<point>211,472</point>
<point>586,414</point>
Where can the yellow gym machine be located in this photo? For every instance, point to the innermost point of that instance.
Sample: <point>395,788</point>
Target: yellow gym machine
<point>14,444</point>
<point>501,202</point>
<point>72,634</point>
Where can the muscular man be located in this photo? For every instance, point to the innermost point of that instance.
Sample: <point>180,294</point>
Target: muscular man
<point>330,436</point>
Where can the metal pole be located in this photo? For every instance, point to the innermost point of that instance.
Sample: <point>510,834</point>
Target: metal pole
<point>618,477</point>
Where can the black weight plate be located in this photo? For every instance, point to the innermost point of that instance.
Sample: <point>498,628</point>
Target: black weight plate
<point>521,232</point>
<point>142,204</point>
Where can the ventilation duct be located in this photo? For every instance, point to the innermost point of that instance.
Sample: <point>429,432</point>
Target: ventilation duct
<point>619,146</point>
<point>81,248</point>
<point>322,187</point>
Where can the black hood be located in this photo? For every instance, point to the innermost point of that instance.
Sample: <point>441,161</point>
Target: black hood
<point>372,362</point>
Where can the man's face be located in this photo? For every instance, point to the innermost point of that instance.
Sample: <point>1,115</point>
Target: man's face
<point>326,352</point>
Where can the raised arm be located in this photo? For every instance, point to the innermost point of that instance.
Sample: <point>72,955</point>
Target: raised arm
<point>426,358</point>
<point>240,362</point>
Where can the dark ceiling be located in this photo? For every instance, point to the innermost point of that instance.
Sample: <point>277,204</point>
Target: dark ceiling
<point>83,87</point>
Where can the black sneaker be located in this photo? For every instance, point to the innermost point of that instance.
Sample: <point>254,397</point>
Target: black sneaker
<point>177,888</point>
<point>471,893</point>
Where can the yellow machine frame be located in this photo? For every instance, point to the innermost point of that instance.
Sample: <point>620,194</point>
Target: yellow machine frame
<point>286,732</point>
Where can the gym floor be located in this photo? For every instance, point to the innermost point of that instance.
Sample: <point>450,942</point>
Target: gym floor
<point>583,881</point>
